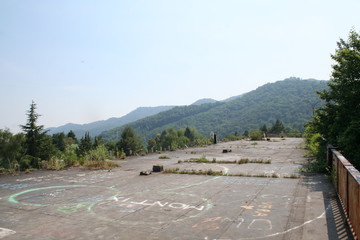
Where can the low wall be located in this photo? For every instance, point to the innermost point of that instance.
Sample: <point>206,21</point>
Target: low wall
<point>347,184</point>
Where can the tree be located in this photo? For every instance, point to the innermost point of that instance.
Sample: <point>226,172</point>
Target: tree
<point>190,134</point>
<point>37,144</point>
<point>59,141</point>
<point>277,127</point>
<point>255,135</point>
<point>72,136</point>
<point>339,118</point>
<point>130,142</point>
<point>85,144</point>
<point>10,148</point>
<point>97,142</point>
<point>264,129</point>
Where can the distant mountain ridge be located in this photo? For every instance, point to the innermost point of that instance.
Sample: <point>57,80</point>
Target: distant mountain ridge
<point>95,128</point>
<point>204,101</point>
<point>289,100</point>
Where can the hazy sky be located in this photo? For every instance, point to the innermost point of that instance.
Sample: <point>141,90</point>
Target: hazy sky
<point>85,60</point>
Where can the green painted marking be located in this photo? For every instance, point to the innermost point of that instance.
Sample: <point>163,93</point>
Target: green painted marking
<point>65,208</point>
<point>13,200</point>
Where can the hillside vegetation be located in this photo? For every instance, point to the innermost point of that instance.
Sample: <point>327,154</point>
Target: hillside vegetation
<point>291,100</point>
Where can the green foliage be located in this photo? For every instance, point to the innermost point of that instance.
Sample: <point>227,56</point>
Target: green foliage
<point>85,144</point>
<point>190,134</point>
<point>58,140</point>
<point>338,120</point>
<point>294,133</point>
<point>256,135</point>
<point>130,142</point>
<point>208,172</point>
<point>291,100</point>
<point>10,149</point>
<point>100,153</point>
<point>316,147</point>
<point>70,156</point>
<point>37,143</point>
<point>277,128</point>
<point>95,165</point>
<point>230,137</point>
<point>264,129</point>
<point>171,139</point>
<point>349,140</point>
<point>27,162</point>
<point>246,133</point>
<point>72,136</point>
<point>53,164</point>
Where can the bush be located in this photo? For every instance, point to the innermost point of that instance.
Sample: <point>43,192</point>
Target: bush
<point>316,148</point>
<point>28,162</point>
<point>53,164</point>
<point>95,165</point>
<point>98,154</point>
<point>255,135</point>
<point>70,156</point>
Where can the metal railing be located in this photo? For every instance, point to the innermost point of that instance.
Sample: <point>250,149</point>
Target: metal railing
<point>347,183</point>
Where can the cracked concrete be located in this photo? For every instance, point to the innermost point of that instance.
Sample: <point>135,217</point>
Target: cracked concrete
<point>120,204</point>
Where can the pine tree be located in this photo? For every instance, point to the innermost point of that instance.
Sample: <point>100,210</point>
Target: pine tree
<point>38,145</point>
<point>277,127</point>
<point>85,144</point>
<point>190,134</point>
<point>72,135</point>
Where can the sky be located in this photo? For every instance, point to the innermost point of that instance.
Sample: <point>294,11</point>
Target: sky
<point>84,60</point>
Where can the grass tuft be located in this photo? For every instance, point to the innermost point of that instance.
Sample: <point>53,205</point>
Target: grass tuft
<point>97,165</point>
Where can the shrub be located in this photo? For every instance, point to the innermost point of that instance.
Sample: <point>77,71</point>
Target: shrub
<point>96,165</point>
<point>255,135</point>
<point>53,164</point>
<point>98,154</point>
<point>28,162</point>
<point>316,148</point>
<point>70,156</point>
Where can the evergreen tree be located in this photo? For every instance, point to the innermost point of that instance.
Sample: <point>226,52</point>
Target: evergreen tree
<point>130,142</point>
<point>264,129</point>
<point>277,127</point>
<point>58,140</point>
<point>38,145</point>
<point>85,144</point>
<point>72,135</point>
<point>190,134</point>
<point>33,132</point>
<point>97,142</point>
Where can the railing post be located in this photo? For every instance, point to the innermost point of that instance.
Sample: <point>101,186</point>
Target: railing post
<point>329,155</point>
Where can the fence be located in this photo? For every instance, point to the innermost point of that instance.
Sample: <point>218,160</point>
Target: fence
<point>347,183</point>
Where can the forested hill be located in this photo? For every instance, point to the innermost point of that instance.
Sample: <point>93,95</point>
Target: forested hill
<point>95,128</point>
<point>291,101</point>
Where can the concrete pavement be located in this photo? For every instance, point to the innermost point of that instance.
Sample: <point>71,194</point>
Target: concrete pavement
<point>120,204</point>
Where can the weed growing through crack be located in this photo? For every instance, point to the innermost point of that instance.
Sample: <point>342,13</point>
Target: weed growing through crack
<point>294,176</point>
<point>203,159</point>
<point>210,172</point>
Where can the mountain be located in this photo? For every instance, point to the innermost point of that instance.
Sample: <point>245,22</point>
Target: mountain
<point>232,98</point>
<point>204,101</point>
<point>95,128</point>
<point>290,100</point>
